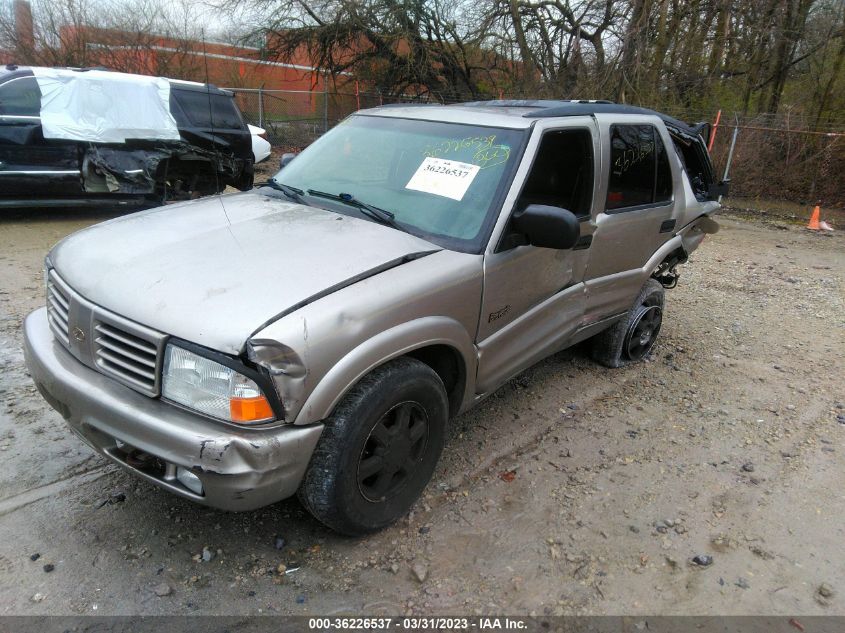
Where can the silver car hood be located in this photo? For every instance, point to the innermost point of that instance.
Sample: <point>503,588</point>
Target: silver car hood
<point>214,271</point>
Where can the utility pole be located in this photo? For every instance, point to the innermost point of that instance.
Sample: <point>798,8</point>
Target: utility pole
<point>325,101</point>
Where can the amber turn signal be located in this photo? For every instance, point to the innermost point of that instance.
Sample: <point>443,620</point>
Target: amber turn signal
<point>250,409</point>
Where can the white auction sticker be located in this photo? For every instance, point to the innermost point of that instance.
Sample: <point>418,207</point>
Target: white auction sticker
<point>448,178</point>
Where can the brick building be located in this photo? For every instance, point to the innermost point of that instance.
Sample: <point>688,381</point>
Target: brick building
<point>152,54</point>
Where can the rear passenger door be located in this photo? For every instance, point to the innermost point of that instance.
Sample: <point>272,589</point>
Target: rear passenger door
<point>210,120</point>
<point>635,218</point>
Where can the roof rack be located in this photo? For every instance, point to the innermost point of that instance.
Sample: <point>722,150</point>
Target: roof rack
<point>589,108</point>
<point>531,103</point>
<point>82,69</point>
<point>577,108</point>
<point>549,108</point>
<point>410,104</point>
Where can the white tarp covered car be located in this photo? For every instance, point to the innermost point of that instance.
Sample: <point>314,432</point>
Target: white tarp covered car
<point>104,107</point>
<point>81,137</point>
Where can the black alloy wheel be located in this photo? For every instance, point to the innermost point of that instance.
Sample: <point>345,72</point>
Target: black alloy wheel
<point>378,449</point>
<point>643,332</point>
<point>393,451</point>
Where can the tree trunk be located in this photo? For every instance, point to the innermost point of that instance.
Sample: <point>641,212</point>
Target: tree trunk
<point>661,45</point>
<point>720,39</point>
<point>838,65</point>
<point>795,20</point>
<point>635,38</point>
<point>528,65</point>
<point>760,50</point>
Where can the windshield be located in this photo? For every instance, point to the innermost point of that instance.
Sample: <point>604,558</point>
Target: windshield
<point>441,181</point>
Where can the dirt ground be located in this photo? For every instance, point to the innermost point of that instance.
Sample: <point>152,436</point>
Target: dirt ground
<point>574,489</point>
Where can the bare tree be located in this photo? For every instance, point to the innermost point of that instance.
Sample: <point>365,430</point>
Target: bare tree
<point>141,36</point>
<point>413,46</point>
<point>748,55</point>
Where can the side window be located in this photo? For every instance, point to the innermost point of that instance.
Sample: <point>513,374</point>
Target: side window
<point>20,97</point>
<point>639,167</point>
<point>225,113</point>
<point>204,110</point>
<point>562,173</point>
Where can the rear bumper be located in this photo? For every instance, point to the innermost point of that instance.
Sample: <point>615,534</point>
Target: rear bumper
<point>239,469</point>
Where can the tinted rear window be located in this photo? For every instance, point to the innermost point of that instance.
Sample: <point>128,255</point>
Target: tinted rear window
<point>639,167</point>
<point>209,110</point>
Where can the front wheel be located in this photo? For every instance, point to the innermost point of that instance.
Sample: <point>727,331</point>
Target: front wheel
<point>378,449</point>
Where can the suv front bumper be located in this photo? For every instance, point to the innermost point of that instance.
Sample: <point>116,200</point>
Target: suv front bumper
<point>240,469</point>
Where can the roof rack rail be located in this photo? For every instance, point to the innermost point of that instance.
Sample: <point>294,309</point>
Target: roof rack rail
<point>530,103</point>
<point>410,103</point>
<point>578,108</point>
<point>82,69</point>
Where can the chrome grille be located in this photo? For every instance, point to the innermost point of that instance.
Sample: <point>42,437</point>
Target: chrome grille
<point>58,306</point>
<point>129,358</point>
<point>117,347</point>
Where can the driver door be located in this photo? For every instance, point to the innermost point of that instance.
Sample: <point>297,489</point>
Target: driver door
<point>533,299</point>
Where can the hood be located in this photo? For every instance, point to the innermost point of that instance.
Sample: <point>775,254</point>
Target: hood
<point>214,271</point>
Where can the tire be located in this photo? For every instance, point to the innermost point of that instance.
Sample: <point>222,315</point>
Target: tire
<point>370,464</point>
<point>631,339</point>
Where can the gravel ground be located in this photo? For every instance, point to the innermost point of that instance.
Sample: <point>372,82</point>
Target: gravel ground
<point>708,480</point>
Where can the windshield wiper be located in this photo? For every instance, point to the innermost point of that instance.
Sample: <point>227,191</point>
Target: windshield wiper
<point>380,215</point>
<point>291,192</point>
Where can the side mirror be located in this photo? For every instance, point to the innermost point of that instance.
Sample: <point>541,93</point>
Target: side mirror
<point>287,157</point>
<point>547,227</point>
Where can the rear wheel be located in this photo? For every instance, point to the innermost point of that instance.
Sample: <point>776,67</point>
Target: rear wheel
<point>631,338</point>
<point>378,450</point>
<point>642,332</point>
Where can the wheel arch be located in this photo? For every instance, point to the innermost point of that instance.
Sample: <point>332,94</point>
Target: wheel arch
<point>440,342</point>
<point>446,361</point>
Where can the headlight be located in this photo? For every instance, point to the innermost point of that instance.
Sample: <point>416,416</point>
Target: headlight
<point>206,386</point>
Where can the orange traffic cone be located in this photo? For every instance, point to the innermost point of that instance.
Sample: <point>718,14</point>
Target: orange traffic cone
<point>813,224</point>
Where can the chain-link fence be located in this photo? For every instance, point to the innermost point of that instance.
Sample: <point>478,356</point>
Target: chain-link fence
<point>785,156</point>
<point>295,118</point>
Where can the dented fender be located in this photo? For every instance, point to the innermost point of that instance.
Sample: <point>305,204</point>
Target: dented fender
<point>393,343</point>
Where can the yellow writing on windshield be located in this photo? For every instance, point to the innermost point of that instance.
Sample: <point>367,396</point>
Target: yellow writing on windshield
<point>485,153</point>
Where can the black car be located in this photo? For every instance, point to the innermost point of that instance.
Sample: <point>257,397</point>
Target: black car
<point>213,150</point>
